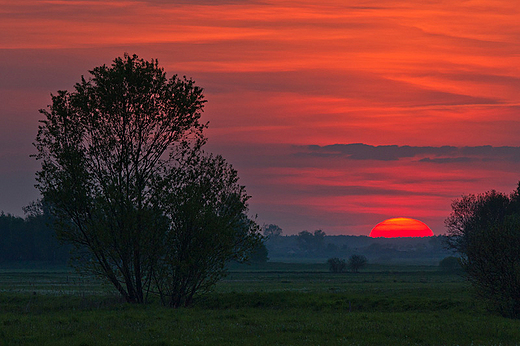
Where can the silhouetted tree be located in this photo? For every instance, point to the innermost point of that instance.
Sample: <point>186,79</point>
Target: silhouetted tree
<point>450,264</point>
<point>208,227</point>
<point>319,238</point>
<point>356,262</point>
<point>311,242</point>
<point>260,254</point>
<point>337,265</point>
<point>485,230</point>
<point>272,231</point>
<point>110,150</point>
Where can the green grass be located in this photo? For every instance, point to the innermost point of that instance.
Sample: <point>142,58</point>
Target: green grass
<point>277,304</point>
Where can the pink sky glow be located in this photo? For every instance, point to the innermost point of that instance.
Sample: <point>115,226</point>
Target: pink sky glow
<point>430,89</point>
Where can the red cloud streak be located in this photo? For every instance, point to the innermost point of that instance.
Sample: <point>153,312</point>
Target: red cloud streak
<point>282,75</point>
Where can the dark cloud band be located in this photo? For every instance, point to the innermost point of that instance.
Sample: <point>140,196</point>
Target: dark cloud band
<point>441,154</point>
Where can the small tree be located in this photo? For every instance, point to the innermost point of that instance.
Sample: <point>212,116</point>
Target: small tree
<point>337,265</point>
<point>450,264</point>
<point>356,262</point>
<point>485,230</point>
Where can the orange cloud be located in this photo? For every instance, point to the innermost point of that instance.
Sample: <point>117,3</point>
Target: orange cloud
<point>279,75</point>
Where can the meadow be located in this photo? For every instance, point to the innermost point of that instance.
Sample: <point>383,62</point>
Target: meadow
<point>270,304</point>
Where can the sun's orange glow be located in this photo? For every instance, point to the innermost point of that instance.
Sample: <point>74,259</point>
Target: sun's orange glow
<point>401,227</point>
<point>408,79</point>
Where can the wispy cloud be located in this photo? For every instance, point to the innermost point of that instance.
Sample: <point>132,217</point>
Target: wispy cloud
<point>285,80</point>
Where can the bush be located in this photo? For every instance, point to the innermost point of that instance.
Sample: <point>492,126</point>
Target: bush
<point>450,264</point>
<point>337,265</point>
<point>356,262</point>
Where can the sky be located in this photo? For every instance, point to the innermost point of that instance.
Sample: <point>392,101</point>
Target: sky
<point>336,114</point>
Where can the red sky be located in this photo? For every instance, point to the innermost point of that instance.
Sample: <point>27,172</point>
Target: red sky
<point>286,80</point>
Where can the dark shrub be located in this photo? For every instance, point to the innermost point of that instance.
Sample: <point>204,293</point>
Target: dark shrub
<point>337,265</point>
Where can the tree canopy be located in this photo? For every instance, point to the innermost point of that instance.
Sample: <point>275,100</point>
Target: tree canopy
<point>30,239</point>
<point>311,242</point>
<point>356,262</point>
<point>337,265</point>
<point>485,230</point>
<point>272,231</point>
<point>123,170</point>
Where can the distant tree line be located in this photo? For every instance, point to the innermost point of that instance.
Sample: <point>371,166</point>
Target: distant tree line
<point>33,239</point>
<point>320,246</point>
<point>30,239</point>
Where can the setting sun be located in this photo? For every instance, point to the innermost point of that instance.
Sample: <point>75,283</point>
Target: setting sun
<point>401,227</point>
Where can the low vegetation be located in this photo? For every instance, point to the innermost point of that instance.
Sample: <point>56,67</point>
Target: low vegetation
<point>356,262</point>
<point>337,265</point>
<point>269,304</point>
<point>450,263</point>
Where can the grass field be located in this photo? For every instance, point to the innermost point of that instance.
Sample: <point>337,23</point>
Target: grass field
<point>274,304</point>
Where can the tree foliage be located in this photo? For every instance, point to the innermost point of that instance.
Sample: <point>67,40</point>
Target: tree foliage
<point>356,262</point>
<point>485,230</point>
<point>272,231</point>
<point>450,264</point>
<point>260,254</point>
<point>30,239</point>
<point>311,242</point>
<point>337,265</point>
<point>124,173</point>
<point>206,209</point>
